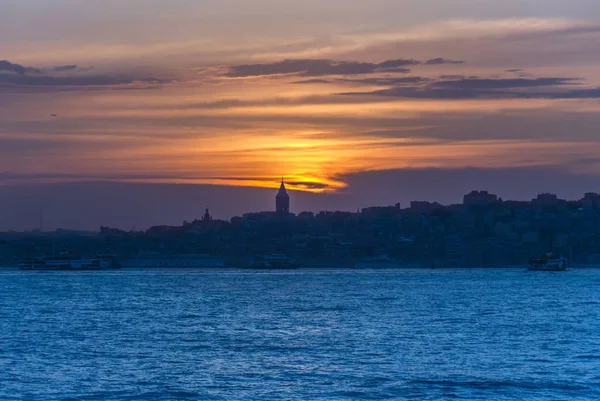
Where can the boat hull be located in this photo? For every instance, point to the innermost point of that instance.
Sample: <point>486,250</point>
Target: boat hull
<point>549,266</point>
<point>551,262</point>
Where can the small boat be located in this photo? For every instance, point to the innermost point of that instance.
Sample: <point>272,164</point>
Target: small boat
<point>272,261</point>
<point>549,262</point>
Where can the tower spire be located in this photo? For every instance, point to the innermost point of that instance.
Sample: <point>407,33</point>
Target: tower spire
<point>282,200</point>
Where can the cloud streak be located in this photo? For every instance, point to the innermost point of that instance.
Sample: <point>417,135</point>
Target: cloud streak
<point>63,68</point>
<point>7,66</point>
<point>486,88</point>
<point>441,60</point>
<point>367,81</point>
<point>482,83</point>
<point>320,67</point>
<point>16,76</point>
<point>80,81</point>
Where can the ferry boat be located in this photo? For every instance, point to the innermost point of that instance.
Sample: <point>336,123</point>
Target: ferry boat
<point>160,260</point>
<point>67,262</point>
<point>273,261</point>
<point>549,262</point>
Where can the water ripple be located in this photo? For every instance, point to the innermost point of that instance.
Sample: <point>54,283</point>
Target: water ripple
<point>303,335</point>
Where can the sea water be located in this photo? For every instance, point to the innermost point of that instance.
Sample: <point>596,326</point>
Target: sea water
<point>487,334</point>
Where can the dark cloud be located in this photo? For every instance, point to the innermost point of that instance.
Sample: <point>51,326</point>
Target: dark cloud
<point>422,93</point>
<point>440,61</point>
<point>593,93</point>
<point>17,68</point>
<point>397,63</point>
<point>9,80</point>
<point>480,83</point>
<point>387,81</point>
<point>20,77</point>
<point>399,70</point>
<point>514,70</point>
<point>483,88</point>
<point>367,81</point>
<point>315,68</point>
<point>62,68</point>
<point>307,185</point>
<point>315,81</point>
<point>454,77</point>
<point>303,68</point>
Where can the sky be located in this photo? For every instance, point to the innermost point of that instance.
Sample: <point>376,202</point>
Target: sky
<point>133,113</point>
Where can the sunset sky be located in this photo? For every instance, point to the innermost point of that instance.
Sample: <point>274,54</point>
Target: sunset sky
<point>355,102</point>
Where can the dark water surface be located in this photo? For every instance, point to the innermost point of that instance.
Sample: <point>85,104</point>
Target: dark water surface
<point>300,335</point>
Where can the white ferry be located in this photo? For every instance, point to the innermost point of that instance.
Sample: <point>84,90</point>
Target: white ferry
<point>67,262</point>
<point>549,262</point>
<point>159,260</point>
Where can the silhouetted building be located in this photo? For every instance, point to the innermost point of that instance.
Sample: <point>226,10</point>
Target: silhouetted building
<point>381,211</point>
<point>282,200</point>
<point>591,200</point>
<point>423,207</point>
<point>491,233</point>
<point>548,200</point>
<point>479,198</point>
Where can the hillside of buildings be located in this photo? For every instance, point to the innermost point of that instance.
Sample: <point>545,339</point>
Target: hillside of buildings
<point>483,231</point>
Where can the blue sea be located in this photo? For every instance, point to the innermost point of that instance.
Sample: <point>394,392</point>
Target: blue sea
<point>481,334</point>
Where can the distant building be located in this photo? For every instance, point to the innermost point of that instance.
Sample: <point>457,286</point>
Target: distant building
<point>282,200</point>
<point>111,231</point>
<point>381,211</point>
<point>479,198</point>
<point>258,216</point>
<point>423,207</point>
<point>591,200</point>
<point>548,200</point>
<point>306,215</point>
<point>207,216</point>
